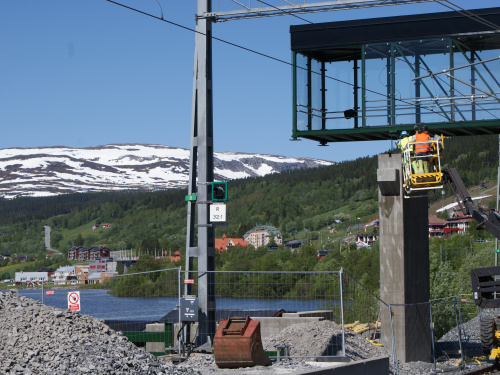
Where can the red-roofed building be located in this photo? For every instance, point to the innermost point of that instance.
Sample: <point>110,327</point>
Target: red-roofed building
<point>446,227</point>
<point>175,257</point>
<point>224,243</point>
<point>365,239</point>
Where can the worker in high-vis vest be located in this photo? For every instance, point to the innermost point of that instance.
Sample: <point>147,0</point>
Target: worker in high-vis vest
<point>404,146</point>
<point>422,150</point>
<point>403,142</point>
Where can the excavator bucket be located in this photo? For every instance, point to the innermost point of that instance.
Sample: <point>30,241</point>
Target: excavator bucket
<point>486,286</point>
<point>237,343</point>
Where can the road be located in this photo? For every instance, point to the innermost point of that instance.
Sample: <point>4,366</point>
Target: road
<point>47,240</point>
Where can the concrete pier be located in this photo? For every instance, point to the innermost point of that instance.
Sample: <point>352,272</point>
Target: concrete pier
<point>404,264</point>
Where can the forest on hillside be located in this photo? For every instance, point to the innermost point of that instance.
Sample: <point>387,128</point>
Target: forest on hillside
<point>302,204</point>
<point>292,201</point>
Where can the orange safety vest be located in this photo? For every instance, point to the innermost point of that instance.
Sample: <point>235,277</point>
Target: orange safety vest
<point>421,147</point>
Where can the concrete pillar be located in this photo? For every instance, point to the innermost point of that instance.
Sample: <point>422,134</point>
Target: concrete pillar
<point>404,264</point>
<point>155,347</point>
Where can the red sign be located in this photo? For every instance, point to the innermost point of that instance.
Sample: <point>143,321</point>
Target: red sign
<point>188,281</point>
<point>463,300</point>
<point>74,301</point>
<point>49,292</point>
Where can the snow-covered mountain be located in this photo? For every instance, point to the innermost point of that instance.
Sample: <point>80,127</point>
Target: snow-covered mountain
<point>47,171</point>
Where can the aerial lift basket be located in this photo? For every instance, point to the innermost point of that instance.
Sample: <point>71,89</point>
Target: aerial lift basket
<point>414,183</point>
<point>237,343</point>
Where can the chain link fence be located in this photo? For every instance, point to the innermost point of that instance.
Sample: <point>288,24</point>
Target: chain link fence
<point>131,302</point>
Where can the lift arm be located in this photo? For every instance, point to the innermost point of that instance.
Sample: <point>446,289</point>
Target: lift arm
<point>488,220</point>
<point>485,281</point>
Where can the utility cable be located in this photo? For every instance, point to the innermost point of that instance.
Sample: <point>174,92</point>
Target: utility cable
<point>462,11</point>
<point>211,36</point>
<point>468,14</point>
<point>250,50</point>
<point>284,11</point>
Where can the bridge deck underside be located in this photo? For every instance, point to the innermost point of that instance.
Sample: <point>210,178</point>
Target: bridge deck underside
<point>381,133</point>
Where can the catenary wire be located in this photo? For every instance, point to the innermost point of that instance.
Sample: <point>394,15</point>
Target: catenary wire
<point>468,14</point>
<point>249,49</point>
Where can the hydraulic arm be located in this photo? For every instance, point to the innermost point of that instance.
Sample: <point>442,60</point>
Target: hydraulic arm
<point>487,219</point>
<point>485,281</point>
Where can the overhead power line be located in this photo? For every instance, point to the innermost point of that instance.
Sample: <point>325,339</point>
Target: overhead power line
<point>468,14</point>
<point>251,50</point>
<point>445,3</point>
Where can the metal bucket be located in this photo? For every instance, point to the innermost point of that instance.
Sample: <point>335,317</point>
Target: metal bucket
<point>237,343</point>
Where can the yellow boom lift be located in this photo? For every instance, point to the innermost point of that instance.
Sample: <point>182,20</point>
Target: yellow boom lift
<point>420,182</point>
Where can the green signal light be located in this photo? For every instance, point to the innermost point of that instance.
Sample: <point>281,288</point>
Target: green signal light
<point>219,191</point>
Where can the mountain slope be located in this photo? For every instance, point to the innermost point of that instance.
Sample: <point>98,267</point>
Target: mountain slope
<point>59,170</point>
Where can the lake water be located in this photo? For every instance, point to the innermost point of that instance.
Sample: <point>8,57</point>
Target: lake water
<point>98,303</point>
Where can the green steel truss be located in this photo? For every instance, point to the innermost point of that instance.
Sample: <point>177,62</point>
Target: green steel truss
<point>373,91</point>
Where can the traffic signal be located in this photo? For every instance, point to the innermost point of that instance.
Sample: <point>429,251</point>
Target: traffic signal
<point>219,191</point>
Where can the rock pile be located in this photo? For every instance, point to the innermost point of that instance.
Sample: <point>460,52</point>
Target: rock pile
<point>323,338</point>
<point>39,339</point>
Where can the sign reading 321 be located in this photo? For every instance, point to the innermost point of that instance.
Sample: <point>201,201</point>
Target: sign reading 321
<point>217,212</point>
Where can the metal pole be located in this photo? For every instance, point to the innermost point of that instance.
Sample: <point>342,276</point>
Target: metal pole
<point>418,117</point>
<point>201,157</point>
<point>394,354</point>
<point>342,309</point>
<point>459,334</point>
<point>42,294</point>
<point>179,294</point>
<point>432,337</point>
<point>498,194</point>
<point>356,88</point>
<point>363,87</point>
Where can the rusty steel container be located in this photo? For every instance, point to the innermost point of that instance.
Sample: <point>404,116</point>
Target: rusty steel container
<point>237,343</point>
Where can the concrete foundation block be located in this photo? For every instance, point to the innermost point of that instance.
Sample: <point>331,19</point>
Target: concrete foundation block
<point>372,366</point>
<point>155,347</point>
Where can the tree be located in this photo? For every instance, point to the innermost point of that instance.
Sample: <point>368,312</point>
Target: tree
<point>78,240</point>
<point>150,246</point>
<point>55,237</point>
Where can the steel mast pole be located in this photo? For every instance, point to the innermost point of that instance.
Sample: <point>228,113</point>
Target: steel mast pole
<point>497,198</point>
<point>201,178</point>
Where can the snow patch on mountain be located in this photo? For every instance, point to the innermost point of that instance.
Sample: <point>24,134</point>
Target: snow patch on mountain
<point>45,171</point>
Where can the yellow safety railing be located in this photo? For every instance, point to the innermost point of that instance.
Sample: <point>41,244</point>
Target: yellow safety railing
<point>423,172</point>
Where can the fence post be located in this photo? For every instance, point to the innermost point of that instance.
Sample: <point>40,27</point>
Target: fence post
<point>342,308</point>
<point>466,338</point>
<point>432,337</point>
<point>394,355</point>
<point>459,334</point>
<point>179,294</point>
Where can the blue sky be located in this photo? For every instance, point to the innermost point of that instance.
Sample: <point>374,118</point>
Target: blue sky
<point>84,73</point>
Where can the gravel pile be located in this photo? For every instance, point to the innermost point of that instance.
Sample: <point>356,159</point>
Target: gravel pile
<point>39,339</point>
<point>323,338</point>
<point>311,340</point>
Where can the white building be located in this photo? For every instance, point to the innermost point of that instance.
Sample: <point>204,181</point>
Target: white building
<point>261,236</point>
<point>65,275</point>
<point>23,278</point>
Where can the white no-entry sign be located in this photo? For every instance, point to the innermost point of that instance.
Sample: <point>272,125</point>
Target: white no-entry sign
<point>74,301</point>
